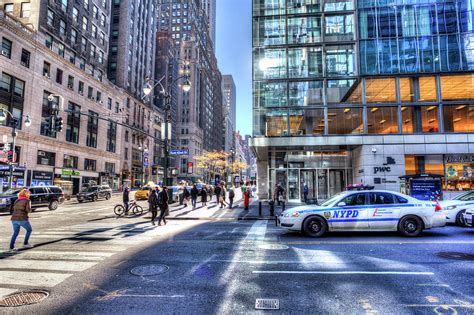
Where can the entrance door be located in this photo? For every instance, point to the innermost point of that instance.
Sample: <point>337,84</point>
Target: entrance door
<point>308,178</point>
<point>337,182</point>
<point>293,184</point>
<point>322,185</point>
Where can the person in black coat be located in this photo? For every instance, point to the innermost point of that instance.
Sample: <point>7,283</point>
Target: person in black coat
<point>153,205</point>
<point>204,196</point>
<point>126,198</point>
<point>194,195</point>
<point>163,204</point>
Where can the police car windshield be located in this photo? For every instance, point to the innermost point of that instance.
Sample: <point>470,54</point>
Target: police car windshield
<point>332,199</point>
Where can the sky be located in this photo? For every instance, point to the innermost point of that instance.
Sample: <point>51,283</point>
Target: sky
<point>234,54</point>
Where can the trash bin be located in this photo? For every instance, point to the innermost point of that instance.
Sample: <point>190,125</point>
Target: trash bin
<point>271,204</point>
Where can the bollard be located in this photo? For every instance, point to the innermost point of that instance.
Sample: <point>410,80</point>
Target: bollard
<point>271,203</point>
<point>259,208</point>
<point>283,206</point>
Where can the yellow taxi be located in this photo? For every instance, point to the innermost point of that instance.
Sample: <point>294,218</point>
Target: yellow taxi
<point>143,193</point>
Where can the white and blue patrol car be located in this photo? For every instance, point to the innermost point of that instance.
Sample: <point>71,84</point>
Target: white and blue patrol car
<point>374,210</point>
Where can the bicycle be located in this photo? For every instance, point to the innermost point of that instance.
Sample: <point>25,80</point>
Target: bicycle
<point>133,207</point>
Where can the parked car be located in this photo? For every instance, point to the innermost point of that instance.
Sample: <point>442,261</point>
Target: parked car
<point>469,216</point>
<point>93,193</point>
<point>454,209</point>
<point>45,196</point>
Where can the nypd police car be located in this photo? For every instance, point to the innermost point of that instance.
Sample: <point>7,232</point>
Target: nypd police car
<point>454,209</point>
<point>375,210</point>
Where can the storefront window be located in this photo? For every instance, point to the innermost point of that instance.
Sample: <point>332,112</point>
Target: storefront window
<point>458,118</point>
<point>382,120</point>
<point>306,93</point>
<point>269,31</point>
<point>270,94</point>
<point>339,90</point>
<point>304,30</point>
<point>460,172</point>
<point>427,89</point>
<point>457,87</point>
<point>268,7</point>
<point>307,122</point>
<point>270,64</point>
<point>305,62</point>
<point>380,90</point>
<point>303,6</point>
<point>345,121</point>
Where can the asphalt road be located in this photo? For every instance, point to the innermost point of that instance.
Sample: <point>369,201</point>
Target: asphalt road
<point>84,257</point>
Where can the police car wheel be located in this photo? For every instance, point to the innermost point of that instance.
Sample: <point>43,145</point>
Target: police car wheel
<point>460,218</point>
<point>315,226</point>
<point>410,226</point>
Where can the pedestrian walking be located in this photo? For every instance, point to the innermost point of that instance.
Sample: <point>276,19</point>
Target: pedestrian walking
<point>181,189</point>
<point>163,204</point>
<point>231,196</point>
<point>305,192</point>
<point>246,194</point>
<point>210,192</point>
<point>217,192</point>
<point>222,196</point>
<point>280,194</point>
<point>204,196</point>
<point>186,196</point>
<point>194,195</point>
<point>153,204</point>
<point>21,208</point>
<point>126,198</point>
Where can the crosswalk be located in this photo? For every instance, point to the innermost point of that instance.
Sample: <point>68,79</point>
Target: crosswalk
<point>61,252</point>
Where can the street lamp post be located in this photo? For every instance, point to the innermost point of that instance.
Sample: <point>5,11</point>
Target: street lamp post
<point>14,126</point>
<point>143,150</point>
<point>147,89</point>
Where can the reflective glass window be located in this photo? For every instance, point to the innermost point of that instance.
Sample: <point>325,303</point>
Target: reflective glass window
<point>306,93</point>
<point>304,30</point>
<point>307,122</point>
<point>420,119</point>
<point>447,17</point>
<point>382,120</point>
<point>467,47</point>
<point>338,27</point>
<point>449,52</point>
<point>303,6</point>
<point>272,123</point>
<point>338,5</point>
<point>270,64</point>
<point>270,94</point>
<point>380,90</point>
<point>268,7</point>
<point>458,118</point>
<point>338,91</point>
<point>269,31</point>
<point>340,60</point>
<point>429,118</point>
<point>305,62</point>
<point>457,87</point>
<point>407,120</point>
<point>344,121</point>
<point>407,90</point>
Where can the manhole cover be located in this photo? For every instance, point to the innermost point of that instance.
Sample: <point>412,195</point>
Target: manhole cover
<point>267,304</point>
<point>23,298</point>
<point>149,270</point>
<point>273,246</point>
<point>456,255</point>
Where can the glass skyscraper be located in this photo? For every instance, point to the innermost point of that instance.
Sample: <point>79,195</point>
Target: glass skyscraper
<point>344,89</point>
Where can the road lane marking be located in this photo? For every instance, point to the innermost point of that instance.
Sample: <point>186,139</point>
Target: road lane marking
<point>375,242</point>
<point>412,273</point>
<point>6,291</point>
<point>369,310</point>
<point>432,299</point>
<point>257,231</point>
<point>46,265</point>
<point>432,285</point>
<point>32,279</point>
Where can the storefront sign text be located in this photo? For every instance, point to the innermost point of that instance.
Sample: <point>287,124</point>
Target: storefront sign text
<point>70,173</point>
<point>459,159</point>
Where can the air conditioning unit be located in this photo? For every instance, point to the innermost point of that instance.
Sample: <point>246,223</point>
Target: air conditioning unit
<point>100,102</point>
<point>41,153</point>
<point>46,75</point>
<point>70,86</point>
<point>4,52</point>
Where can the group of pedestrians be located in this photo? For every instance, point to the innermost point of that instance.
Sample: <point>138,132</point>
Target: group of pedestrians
<point>206,192</point>
<point>159,200</point>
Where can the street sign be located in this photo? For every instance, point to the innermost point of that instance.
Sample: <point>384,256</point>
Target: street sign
<point>190,167</point>
<point>146,162</point>
<point>179,152</point>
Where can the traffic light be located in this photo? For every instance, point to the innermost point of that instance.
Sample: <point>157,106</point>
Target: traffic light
<point>58,124</point>
<point>48,123</point>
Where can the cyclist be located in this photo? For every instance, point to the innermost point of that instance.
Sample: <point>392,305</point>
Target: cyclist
<point>126,198</point>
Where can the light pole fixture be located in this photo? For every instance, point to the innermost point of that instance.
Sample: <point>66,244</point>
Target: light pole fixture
<point>14,126</point>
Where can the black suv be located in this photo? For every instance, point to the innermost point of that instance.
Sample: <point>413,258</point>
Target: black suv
<point>45,196</point>
<point>93,193</point>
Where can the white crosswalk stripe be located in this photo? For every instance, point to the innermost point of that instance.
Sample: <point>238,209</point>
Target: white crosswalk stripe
<point>67,250</point>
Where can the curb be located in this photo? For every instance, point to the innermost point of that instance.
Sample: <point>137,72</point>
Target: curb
<point>220,219</point>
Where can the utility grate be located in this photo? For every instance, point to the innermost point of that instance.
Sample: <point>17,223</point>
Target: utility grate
<point>267,304</point>
<point>23,298</point>
<point>149,270</point>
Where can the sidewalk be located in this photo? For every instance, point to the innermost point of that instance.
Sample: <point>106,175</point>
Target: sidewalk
<point>213,212</point>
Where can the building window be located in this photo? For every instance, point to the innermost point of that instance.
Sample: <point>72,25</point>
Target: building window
<point>92,51</point>
<point>102,38</point>
<point>73,123</point>
<point>111,136</point>
<point>85,22</point>
<point>70,82</point>
<point>345,121</point>
<point>46,113</point>
<point>46,158</point>
<point>95,12</point>
<point>102,20</point>
<point>59,76</point>
<point>75,15</point>
<point>62,28</point>
<point>80,88</point>
<point>458,118</point>
<point>126,153</point>
<point>47,69</point>
<point>90,165</point>
<point>94,31</point>
<point>90,93</point>
<point>86,4</point>
<point>8,8</point>
<point>25,9</point>
<point>64,4</point>
<point>101,56</point>
<point>110,167</point>
<point>19,87</point>
<point>50,18</point>
<point>109,103</point>
<point>6,83</point>
<point>25,58</point>
<point>72,57</point>
<point>382,120</point>
<point>92,129</point>
<point>420,119</point>
<point>126,135</point>
<point>98,97</point>
<point>61,49</point>
<point>48,41</point>
<point>82,64</point>
<point>70,161</point>
<point>6,47</point>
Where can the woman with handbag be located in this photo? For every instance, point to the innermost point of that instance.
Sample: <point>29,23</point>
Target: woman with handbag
<point>21,208</point>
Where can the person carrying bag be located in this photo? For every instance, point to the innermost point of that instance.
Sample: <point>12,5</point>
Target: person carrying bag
<point>21,208</point>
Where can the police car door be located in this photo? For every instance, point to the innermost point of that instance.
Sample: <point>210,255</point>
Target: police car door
<point>350,213</point>
<point>384,211</point>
